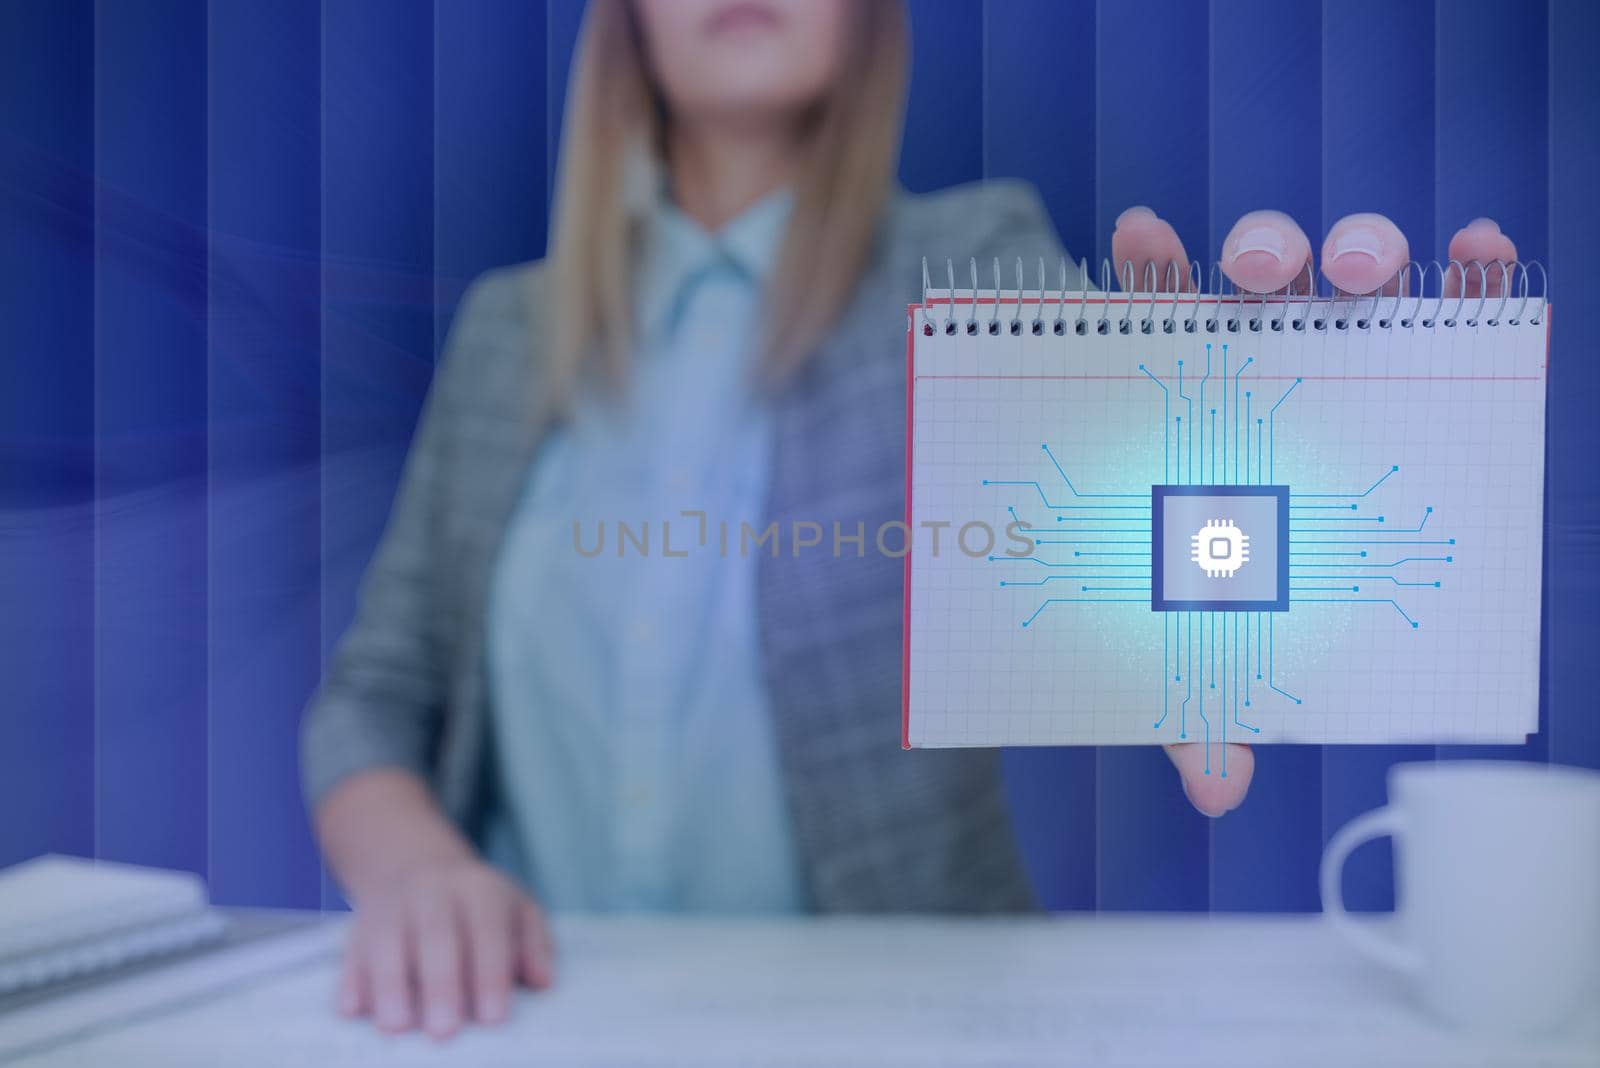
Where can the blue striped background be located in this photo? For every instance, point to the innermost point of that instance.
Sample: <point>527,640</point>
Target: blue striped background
<point>232,235</point>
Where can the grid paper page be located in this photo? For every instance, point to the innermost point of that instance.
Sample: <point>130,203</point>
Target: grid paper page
<point>1410,464</point>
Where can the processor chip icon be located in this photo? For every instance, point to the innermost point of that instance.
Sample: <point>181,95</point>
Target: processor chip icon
<point>1222,548</point>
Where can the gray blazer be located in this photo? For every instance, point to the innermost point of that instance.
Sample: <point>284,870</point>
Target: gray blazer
<point>878,828</point>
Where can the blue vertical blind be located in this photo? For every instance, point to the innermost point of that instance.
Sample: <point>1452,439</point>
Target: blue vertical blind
<point>232,236</point>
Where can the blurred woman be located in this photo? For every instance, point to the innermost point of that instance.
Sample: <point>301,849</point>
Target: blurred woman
<point>716,344</point>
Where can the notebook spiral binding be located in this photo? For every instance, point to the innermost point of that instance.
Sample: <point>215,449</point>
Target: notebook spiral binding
<point>1219,308</point>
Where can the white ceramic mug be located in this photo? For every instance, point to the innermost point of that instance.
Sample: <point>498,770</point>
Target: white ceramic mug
<point>1497,890</point>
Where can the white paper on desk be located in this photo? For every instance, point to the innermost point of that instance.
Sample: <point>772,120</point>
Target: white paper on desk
<point>1413,463</point>
<point>1192,991</point>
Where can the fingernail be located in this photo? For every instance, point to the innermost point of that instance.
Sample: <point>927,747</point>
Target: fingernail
<point>1267,239</point>
<point>1356,241</point>
<point>1483,222</point>
<point>348,1003</point>
<point>1138,211</point>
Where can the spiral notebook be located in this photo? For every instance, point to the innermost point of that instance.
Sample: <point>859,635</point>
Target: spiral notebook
<point>66,917</point>
<point>1211,518</point>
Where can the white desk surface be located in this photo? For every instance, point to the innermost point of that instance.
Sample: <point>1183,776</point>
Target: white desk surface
<point>1092,990</point>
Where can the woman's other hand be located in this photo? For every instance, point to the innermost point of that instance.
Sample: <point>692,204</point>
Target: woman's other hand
<point>439,938</point>
<point>441,947</point>
<point>1266,252</point>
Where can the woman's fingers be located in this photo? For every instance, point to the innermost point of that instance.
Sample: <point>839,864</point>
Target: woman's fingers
<point>443,948</point>
<point>1147,253</point>
<point>535,950</point>
<point>1265,251</point>
<point>489,930</point>
<point>1479,242</point>
<point>1212,794</point>
<point>438,953</point>
<point>389,972</point>
<point>1364,253</point>
<point>354,998</point>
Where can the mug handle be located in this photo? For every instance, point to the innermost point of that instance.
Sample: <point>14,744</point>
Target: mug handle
<point>1365,828</point>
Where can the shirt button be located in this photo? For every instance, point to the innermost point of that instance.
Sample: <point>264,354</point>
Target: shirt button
<point>638,796</point>
<point>644,631</point>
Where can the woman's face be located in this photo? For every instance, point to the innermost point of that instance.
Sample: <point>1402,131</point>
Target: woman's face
<point>743,61</point>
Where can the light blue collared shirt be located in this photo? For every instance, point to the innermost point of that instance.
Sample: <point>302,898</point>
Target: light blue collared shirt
<point>636,760</point>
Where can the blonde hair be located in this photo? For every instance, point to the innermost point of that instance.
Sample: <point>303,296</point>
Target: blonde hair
<point>615,109</point>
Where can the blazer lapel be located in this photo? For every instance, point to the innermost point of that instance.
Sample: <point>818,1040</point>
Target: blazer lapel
<point>880,829</point>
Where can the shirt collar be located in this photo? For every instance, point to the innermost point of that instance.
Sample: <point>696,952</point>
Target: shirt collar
<point>676,251</point>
